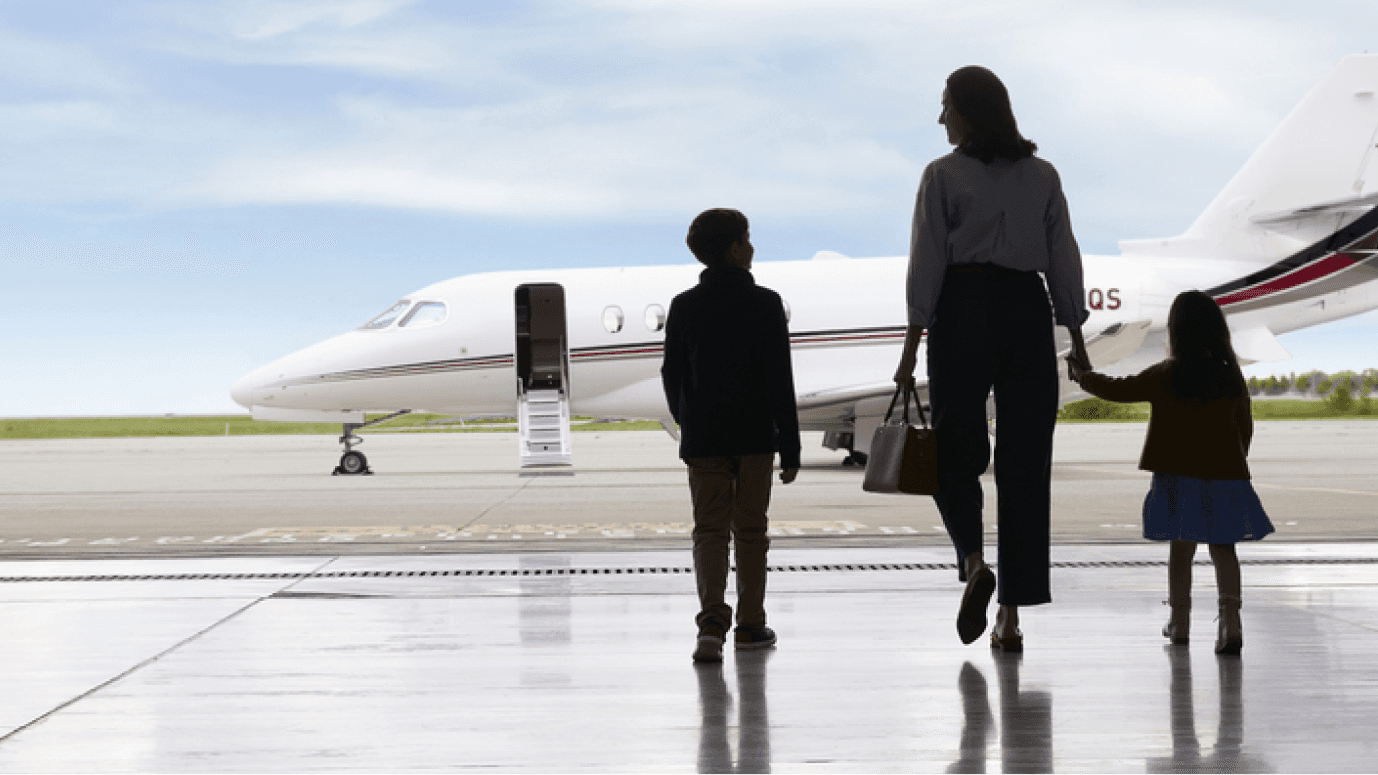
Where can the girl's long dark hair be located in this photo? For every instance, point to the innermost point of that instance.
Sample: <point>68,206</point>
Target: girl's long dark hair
<point>981,98</point>
<point>1204,363</point>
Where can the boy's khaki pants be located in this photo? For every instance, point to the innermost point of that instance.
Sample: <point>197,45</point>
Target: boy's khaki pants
<point>730,496</point>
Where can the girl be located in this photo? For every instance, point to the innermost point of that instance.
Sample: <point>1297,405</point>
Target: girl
<point>1198,439</point>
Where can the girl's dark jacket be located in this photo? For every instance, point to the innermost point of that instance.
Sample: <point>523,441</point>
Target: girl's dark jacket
<point>1204,438</point>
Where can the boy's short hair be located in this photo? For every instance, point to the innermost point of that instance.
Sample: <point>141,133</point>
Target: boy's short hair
<point>713,232</point>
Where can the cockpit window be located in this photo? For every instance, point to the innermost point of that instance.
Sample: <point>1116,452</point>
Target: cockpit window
<point>425,313</point>
<point>384,320</point>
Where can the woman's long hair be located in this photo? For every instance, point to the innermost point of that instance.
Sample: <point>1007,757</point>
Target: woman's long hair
<point>984,102</point>
<point>1204,363</point>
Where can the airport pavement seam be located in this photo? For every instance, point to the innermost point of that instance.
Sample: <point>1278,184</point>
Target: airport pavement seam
<point>156,657</point>
<point>502,502</point>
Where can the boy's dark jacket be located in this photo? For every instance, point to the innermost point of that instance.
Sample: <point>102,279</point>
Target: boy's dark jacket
<point>1204,438</point>
<point>727,373</point>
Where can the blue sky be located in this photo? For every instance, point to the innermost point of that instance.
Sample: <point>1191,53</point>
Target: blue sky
<point>191,189</point>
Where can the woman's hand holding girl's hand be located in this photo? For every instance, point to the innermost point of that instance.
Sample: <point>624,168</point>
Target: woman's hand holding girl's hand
<point>1079,361</point>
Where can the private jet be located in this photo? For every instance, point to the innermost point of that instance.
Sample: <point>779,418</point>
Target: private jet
<point>1291,242</point>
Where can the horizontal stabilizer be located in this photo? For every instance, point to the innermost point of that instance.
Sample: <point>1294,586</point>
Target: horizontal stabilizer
<point>281,414</point>
<point>1316,222</point>
<point>1258,344</point>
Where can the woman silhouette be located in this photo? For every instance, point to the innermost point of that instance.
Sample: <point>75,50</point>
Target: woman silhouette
<point>989,220</point>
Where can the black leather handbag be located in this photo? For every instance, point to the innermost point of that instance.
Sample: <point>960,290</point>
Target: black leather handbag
<point>903,457</point>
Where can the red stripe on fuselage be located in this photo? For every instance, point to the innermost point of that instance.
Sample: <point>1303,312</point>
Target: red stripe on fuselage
<point>1326,266</point>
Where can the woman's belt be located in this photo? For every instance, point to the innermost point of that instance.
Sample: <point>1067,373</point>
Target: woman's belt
<point>987,268</point>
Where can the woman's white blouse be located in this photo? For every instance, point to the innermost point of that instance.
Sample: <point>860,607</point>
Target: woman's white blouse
<point>1010,213</point>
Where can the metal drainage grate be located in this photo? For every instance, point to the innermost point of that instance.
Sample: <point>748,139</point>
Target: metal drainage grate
<point>641,571</point>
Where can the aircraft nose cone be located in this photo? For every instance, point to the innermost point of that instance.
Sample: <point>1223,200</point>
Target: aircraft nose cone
<point>243,392</point>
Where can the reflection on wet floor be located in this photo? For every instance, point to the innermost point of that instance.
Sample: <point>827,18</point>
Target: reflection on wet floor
<point>752,750</point>
<point>1228,754</point>
<point>412,663</point>
<point>1026,721</point>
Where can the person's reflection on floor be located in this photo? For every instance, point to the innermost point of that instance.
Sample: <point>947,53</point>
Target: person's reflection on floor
<point>976,721</point>
<point>1186,749</point>
<point>753,722</point>
<point>1026,721</point>
<point>1228,755</point>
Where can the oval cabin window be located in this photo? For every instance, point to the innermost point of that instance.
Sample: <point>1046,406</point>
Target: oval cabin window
<point>612,319</point>
<point>655,317</point>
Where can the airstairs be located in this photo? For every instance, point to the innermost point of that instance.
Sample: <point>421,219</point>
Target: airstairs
<point>543,427</point>
<point>542,361</point>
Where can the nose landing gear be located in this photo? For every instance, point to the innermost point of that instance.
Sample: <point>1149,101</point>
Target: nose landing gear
<point>353,462</point>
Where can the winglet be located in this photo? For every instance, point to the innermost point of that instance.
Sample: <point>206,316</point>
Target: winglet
<point>1252,345</point>
<point>669,425</point>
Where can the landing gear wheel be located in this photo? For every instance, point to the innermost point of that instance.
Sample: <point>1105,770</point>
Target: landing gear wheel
<point>352,464</point>
<point>855,459</point>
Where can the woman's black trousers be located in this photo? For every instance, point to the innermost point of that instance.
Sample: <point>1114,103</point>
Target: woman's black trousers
<point>993,330</point>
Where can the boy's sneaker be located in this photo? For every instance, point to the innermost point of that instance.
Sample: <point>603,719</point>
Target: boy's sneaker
<point>709,648</point>
<point>712,633</point>
<point>755,637</point>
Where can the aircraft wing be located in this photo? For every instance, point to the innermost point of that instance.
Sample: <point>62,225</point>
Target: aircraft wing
<point>1115,343</point>
<point>834,408</point>
<point>1106,348</point>
<point>846,396</point>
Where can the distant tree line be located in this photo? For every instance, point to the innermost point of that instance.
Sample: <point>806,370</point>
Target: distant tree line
<point>1344,392</point>
<point>1341,393</point>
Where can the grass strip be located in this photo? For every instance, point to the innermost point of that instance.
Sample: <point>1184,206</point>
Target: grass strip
<point>1099,410</point>
<point>1090,410</point>
<point>244,425</point>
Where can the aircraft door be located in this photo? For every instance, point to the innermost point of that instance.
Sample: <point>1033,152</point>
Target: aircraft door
<point>542,360</point>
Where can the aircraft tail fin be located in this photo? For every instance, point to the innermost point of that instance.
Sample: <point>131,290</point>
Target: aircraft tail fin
<point>1317,173</point>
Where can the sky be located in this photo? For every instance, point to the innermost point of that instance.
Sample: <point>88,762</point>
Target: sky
<point>189,190</point>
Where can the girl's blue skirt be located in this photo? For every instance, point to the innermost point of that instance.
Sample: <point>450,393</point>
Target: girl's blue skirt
<point>1207,511</point>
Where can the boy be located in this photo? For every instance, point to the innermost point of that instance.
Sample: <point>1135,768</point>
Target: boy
<point>730,387</point>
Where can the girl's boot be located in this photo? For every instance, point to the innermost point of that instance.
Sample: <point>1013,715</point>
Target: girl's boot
<point>1230,637</point>
<point>1178,627</point>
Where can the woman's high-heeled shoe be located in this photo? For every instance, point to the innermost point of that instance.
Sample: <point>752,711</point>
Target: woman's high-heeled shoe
<point>1178,627</point>
<point>971,617</point>
<point>1010,643</point>
<point>1229,639</point>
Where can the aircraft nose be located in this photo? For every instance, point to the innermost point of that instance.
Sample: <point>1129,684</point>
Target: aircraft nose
<point>243,392</point>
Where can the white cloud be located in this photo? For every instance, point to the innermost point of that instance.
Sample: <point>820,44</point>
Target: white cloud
<point>43,120</point>
<point>33,64</point>
<point>264,19</point>
<point>599,110</point>
<point>151,255</point>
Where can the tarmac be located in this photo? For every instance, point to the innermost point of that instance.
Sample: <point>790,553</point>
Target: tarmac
<point>572,654</point>
<point>461,492</point>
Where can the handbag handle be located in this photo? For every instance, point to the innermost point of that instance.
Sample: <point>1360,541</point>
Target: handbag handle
<point>909,390</point>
